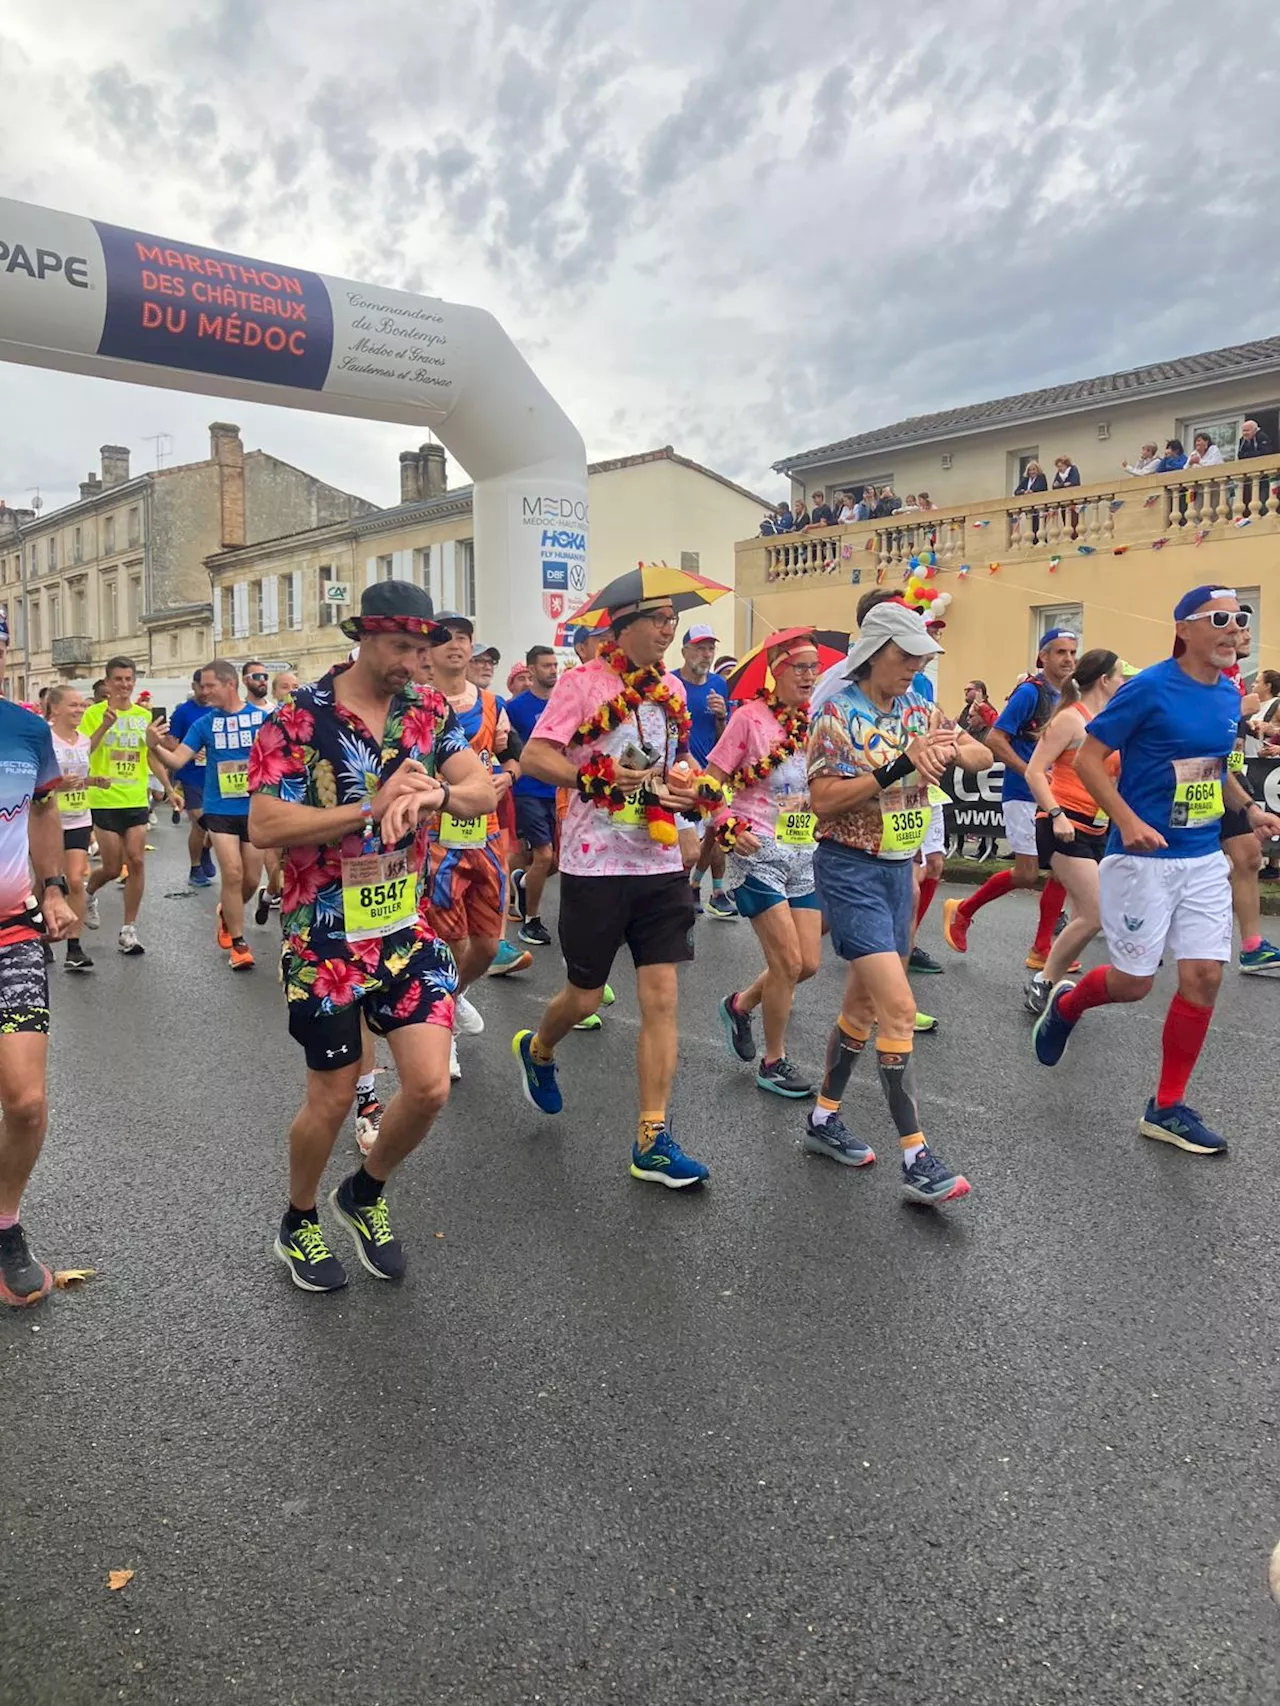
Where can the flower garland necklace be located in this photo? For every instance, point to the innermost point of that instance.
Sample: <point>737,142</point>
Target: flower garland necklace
<point>643,686</point>
<point>795,731</point>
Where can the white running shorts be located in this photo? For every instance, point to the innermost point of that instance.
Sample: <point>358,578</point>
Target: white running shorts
<point>1020,826</point>
<point>935,837</point>
<point>1158,908</point>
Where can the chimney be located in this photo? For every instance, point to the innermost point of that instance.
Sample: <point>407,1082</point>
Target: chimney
<point>91,487</point>
<point>227,453</point>
<point>434,480</point>
<point>115,464</point>
<point>410,477</point>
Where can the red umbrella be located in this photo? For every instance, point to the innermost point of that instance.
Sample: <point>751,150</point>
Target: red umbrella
<point>753,675</point>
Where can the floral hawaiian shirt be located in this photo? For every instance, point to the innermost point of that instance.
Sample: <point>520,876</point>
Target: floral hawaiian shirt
<point>312,751</point>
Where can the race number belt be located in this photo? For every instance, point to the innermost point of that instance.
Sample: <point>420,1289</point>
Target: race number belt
<point>73,802</point>
<point>463,831</point>
<point>233,778</point>
<point>904,818</point>
<point>1197,792</point>
<point>379,895</point>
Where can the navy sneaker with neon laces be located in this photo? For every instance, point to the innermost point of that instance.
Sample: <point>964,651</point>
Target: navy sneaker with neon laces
<point>541,1089</point>
<point>1052,1031</point>
<point>1262,961</point>
<point>783,1079</point>
<point>834,1140</point>
<point>738,1031</point>
<point>930,1181</point>
<point>381,1253</point>
<point>311,1263</point>
<point>721,905</point>
<point>1181,1126</point>
<point>665,1163</point>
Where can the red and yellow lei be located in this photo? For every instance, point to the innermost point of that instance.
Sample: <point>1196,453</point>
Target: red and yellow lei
<point>644,686</point>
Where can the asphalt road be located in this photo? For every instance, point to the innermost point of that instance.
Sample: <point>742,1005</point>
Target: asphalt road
<point>787,1440</point>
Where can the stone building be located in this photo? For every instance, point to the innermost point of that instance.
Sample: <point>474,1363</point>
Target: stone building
<point>122,569</point>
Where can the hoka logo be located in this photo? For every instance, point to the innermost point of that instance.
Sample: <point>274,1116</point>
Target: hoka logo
<point>1133,923</point>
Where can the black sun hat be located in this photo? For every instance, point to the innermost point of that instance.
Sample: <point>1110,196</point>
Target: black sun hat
<point>389,607</point>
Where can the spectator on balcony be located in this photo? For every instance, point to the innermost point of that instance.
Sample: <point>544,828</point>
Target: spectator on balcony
<point>912,505</point>
<point>1174,457</point>
<point>865,508</point>
<point>784,521</point>
<point>844,513</point>
<point>925,502</point>
<point>1204,452</point>
<point>800,516</point>
<point>820,515</point>
<point>888,503</point>
<point>1147,461</point>
<point>1253,441</point>
<point>1032,480</point>
<point>1066,473</point>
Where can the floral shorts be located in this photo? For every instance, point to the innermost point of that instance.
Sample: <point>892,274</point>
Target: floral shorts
<point>417,990</point>
<point>24,990</point>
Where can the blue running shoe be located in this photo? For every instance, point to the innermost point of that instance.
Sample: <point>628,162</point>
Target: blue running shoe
<point>608,998</point>
<point>541,1088</point>
<point>509,959</point>
<point>1181,1126</point>
<point>1052,1032</point>
<point>207,865</point>
<point>835,1140</point>
<point>721,905</point>
<point>697,898</point>
<point>1262,961</point>
<point>665,1163</point>
<point>930,1181</point>
<point>197,879</point>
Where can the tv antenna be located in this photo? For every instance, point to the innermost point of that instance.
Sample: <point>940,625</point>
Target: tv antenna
<point>163,442</point>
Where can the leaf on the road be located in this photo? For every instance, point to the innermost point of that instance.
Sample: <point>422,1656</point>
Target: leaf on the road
<point>72,1276</point>
<point>118,1579</point>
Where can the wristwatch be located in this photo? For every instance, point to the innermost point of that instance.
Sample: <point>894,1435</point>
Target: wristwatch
<point>57,882</point>
<point>1056,812</point>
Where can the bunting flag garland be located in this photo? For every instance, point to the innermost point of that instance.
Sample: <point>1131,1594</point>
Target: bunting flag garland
<point>1086,550</point>
<point>870,544</point>
<point>962,573</point>
<point>985,523</point>
<point>1115,504</point>
<point>880,577</point>
<point>1054,563</point>
<point>1119,551</point>
<point>1158,544</point>
<point>993,568</point>
<point>1153,499</point>
<point>1202,533</point>
<point>1242,521</point>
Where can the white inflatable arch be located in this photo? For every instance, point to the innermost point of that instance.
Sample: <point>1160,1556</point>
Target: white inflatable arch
<point>85,297</point>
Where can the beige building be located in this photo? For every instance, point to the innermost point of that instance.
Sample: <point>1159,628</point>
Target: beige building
<point>270,598</point>
<point>980,451</point>
<point>121,570</point>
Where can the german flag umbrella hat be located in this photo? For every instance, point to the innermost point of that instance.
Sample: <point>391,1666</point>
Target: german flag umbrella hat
<point>651,586</point>
<point>753,675</point>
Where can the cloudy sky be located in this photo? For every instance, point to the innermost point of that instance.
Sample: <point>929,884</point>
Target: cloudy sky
<point>737,227</point>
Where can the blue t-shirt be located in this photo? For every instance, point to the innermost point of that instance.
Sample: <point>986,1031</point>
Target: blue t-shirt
<point>522,713</point>
<point>921,684</point>
<point>705,733</point>
<point>1020,711</point>
<point>1161,718</point>
<point>183,720</point>
<point>28,771</point>
<point>225,738</point>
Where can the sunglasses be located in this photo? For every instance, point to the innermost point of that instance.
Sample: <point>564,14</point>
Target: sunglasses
<point>255,678</point>
<point>1223,618</point>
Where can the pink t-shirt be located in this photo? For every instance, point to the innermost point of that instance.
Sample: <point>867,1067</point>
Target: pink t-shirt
<point>752,732</point>
<point>592,842</point>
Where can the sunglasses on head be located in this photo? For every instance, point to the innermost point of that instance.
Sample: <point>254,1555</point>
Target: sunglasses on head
<point>1223,618</point>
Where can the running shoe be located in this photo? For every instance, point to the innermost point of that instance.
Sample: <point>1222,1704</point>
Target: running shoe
<point>311,1263</point>
<point>48,953</point>
<point>1036,992</point>
<point>196,878</point>
<point>455,1068</point>
<point>273,901</point>
<point>1181,1126</point>
<point>955,926</point>
<point>834,1140</point>
<point>541,1088</point>
<point>516,905</point>
<point>368,1122</point>
<point>592,1022</point>
<point>1036,961</point>
<point>77,959</point>
<point>467,1019</point>
<point>508,959</point>
<point>535,933</point>
<point>23,1279</point>
<point>91,919</point>
<point>930,1181</point>
<point>127,941</point>
<point>224,935</point>
<point>783,1079</point>
<point>1262,961</point>
<point>207,865</point>
<point>151,822</point>
<point>721,905</point>
<point>262,911</point>
<point>607,997</point>
<point>738,1031</point>
<point>241,956</point>
<point>381,1253</point>
<point>918,960</point>
<point>1052,1031</point>
<point>697,899</point>
<point>175,816</point>
<point>665,1163</point>
<point>925,1023</point>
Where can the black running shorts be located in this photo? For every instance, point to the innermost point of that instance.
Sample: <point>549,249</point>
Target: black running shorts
<point>652,915</point>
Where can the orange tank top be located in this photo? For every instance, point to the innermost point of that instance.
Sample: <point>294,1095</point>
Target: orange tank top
<point>1068,790</point>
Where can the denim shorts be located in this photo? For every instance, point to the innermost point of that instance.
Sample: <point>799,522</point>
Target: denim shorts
<point>868,902</point>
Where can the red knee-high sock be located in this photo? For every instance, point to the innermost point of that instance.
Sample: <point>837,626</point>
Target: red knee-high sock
<point>991,890</point>
<point>1185,1028</point>
<point>1052,901</point>
<point>1091,991</point>
<point>928,888</point>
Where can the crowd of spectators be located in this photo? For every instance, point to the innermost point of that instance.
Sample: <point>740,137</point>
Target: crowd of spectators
<point>856,503</point>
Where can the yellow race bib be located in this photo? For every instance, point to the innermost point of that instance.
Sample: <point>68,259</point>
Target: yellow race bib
<point>73,802</point>
<point>904,818</point>
<point>379,895</point>
<point>233,778</point>
<point>797,825</point>
<point>463,831</point>
<point>1197,792</point>
<point>632,814</point>
<point>1235,761</point>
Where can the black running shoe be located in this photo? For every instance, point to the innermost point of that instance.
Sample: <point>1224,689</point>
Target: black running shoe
<point>535,933</point>
<point>262,911</point>
<point>23,1279</point>
<point>919,960</point>
<point>737,1030</point>
<point>381,1253</point>
<point>311,1263</point>
<point>77,959</point>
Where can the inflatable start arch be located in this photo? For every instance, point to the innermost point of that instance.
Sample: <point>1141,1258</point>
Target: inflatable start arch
<point>85,297</point>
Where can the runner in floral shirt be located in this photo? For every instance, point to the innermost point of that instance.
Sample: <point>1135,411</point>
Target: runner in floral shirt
<point>340,777</point>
